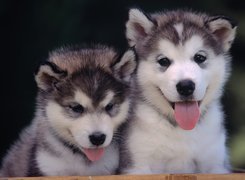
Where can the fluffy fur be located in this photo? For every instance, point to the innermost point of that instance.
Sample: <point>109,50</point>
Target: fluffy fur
<point>83,100</point>
<point>171,47</point>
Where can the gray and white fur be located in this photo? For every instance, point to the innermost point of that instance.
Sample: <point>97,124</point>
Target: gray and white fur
<point>83,99</point>
<point>183,60</point>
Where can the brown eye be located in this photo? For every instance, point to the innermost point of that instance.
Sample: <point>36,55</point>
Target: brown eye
<point>199,58</point>
<point>109,107</point>
<point>164,62</point>
<point>77,108</point>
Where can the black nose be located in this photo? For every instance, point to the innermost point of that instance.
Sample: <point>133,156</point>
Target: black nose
<point>185,87</point>
<point>97,138</point>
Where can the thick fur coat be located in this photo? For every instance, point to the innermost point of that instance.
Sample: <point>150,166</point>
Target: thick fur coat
<point>83,99</point>
<point>178,121</point>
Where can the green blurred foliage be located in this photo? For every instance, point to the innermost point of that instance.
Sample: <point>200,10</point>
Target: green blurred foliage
<point>30,29</point>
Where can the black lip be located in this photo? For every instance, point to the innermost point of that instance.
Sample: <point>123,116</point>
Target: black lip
<point>173,103</point>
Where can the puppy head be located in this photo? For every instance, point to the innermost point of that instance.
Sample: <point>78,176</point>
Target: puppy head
<point>183,59</point>
<point>86,105</point>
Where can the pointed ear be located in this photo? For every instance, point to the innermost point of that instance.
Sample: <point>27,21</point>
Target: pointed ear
<point>224,29</point>
<point>138,26</point>
<point>125,67</point>
<point>48,76</point>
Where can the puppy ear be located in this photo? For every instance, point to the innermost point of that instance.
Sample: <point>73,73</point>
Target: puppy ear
<point>125,67</point>
<point>224,29</point>
<point>138,26</point>
<point>48,76</point>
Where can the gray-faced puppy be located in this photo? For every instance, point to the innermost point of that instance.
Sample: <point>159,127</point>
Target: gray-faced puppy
<point>83,99</point>
<point>183,65</point>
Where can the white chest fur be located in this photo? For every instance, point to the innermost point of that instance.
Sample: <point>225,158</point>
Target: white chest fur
<point>69,164</point>
<point>157,147</point>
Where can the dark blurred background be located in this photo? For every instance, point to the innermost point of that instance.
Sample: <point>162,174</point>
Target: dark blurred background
<point>30,29</point>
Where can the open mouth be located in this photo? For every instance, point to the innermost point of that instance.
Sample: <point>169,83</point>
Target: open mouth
<point>186,113</point>
<point>94,154</point>
<point>172,104</point>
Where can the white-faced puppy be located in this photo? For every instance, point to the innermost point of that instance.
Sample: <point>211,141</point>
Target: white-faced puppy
<point>83,99</point>
<point>178,125</point>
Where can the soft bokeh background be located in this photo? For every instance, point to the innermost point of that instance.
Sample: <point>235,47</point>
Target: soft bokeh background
<point>32,28</point>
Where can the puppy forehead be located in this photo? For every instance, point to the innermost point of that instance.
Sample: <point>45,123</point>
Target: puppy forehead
<point>86,101</point>
<point>83,98</point>
<point>179,28</point>
<point>188,48</point>
<point>107,98</point>
<point>175,36</point>
<point>72,59</point>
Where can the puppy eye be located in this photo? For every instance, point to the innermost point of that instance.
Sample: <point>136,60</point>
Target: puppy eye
<point>109,107</point>
<point>200,58</point>
<point>77,108</point>
<point>164,62</point>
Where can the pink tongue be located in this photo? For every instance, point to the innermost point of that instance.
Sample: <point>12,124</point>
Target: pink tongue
<point>186,114</point>
<point>94,154</point>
